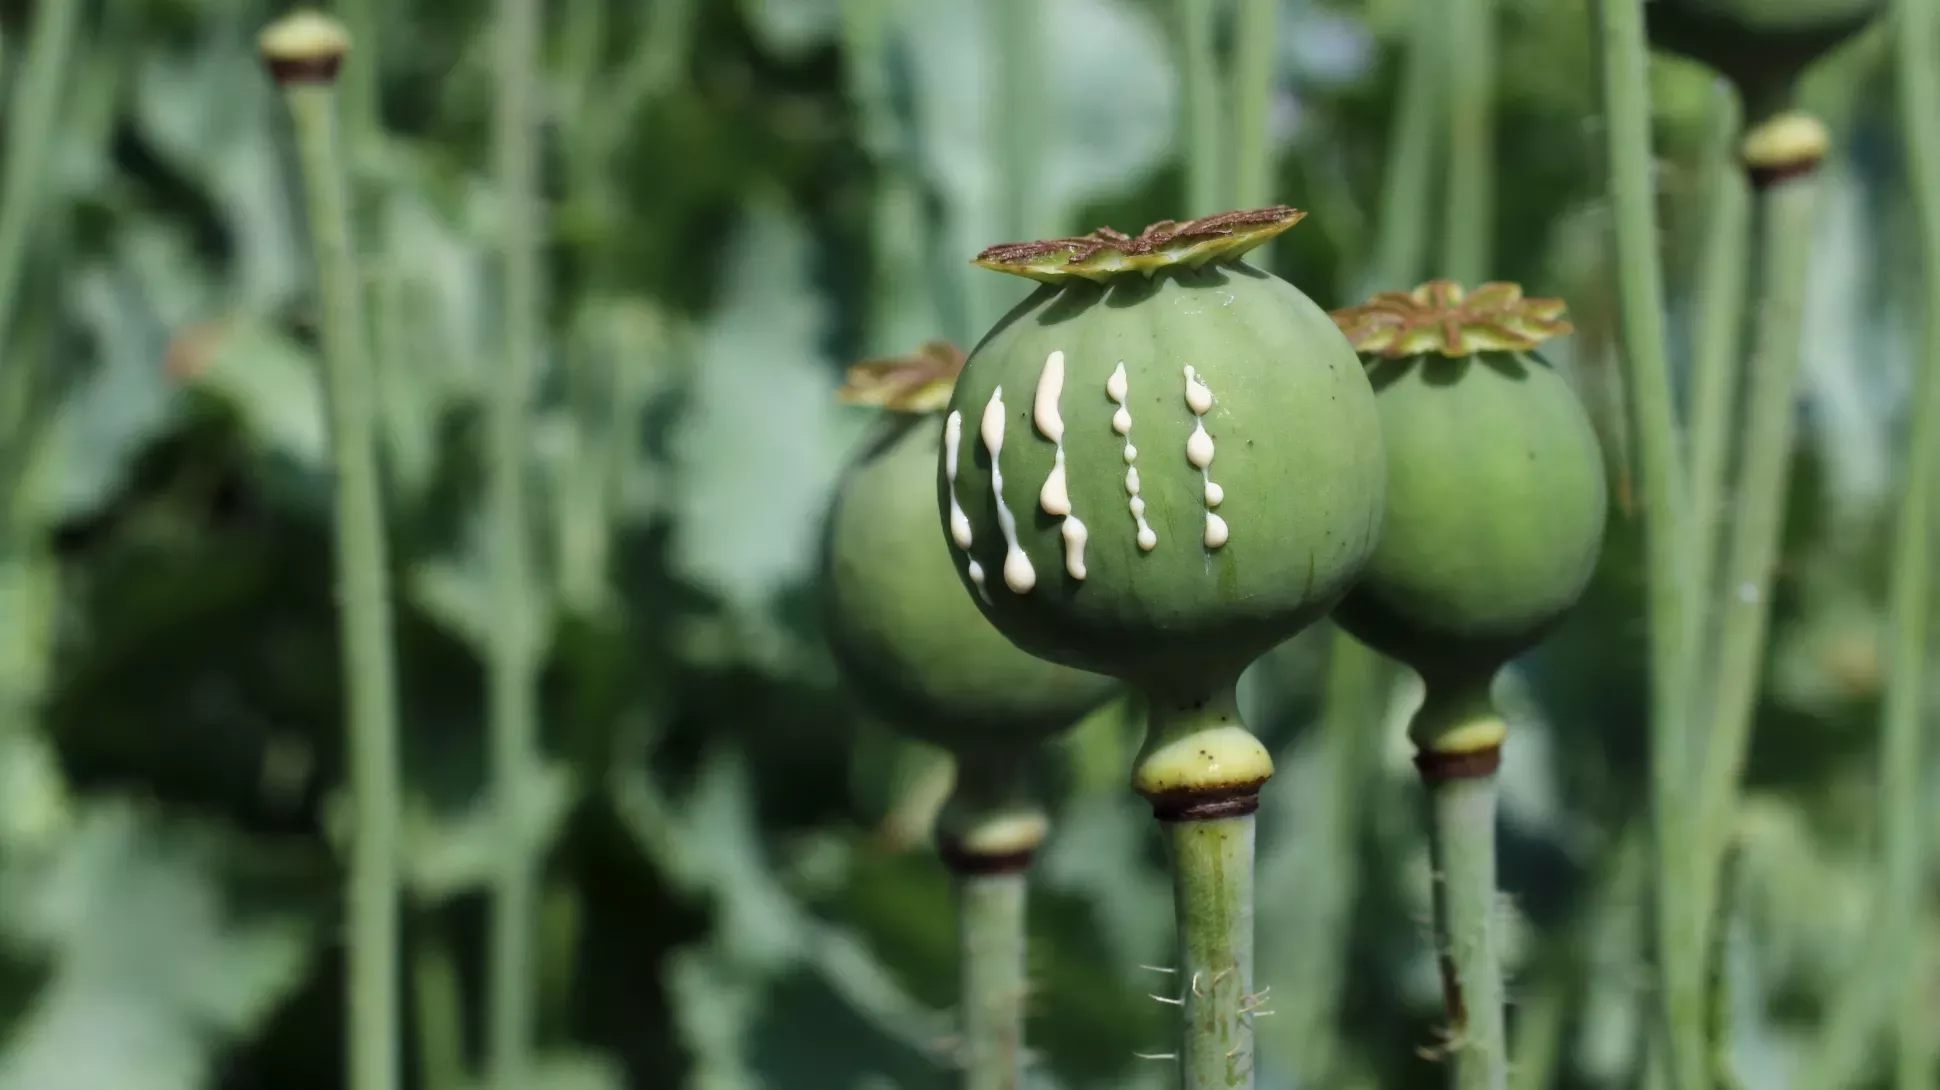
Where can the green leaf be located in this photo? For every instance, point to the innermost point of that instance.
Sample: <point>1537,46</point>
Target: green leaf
<point>763,439</point>
<point>155,966</point>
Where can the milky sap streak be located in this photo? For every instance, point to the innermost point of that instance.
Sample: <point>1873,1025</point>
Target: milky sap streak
<point>1199,451</point>
<point>959,522</point>
<point>1019,576</point>
<point>1118,388</point>
<point>1054,497</point>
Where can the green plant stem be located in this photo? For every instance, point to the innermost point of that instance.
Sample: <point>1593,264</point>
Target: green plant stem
<point>441,1010</point>
<point>1203,771</point>
<point>987,833</point>
<point>1020,109</point>
<point>1714,357</point>
<point>359,78</point>
<point>1903,754</point>
<point>1668,569</point>
<point>1457,719</point>
<point>1255,38</point>
<point>1782,232</point>
<point>1468,228</point>
<point>512,656</point>
<point>1212,870</point>
<point>1401,246</point>
<point>991,938</point>
<point>364,601</point>
<point>1543,1018</point>
<point>33,110</point>
<point>1204,137</point>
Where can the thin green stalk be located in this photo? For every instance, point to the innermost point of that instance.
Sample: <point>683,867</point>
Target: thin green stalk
<point>987,833</point>
<point>31,117</point>
<point>1782,233</point>
<point>359,79</point>
<point>512,657</point>
<point>991,938</point>
<point>1202,771</point>
<point>1720,318</point>
<point>441,1011</point>
<point>1459,736</point>
<point>1468,229</point>
<point>1668,570</point>
<point>363,583</point>
<point>1903,755</point>
<point>1204,140</point>
<point>1401,247</point>
<point>1212,868</point>
<point>1255,37</point>
<point>1542,1017</point>
<point>1021,112</point>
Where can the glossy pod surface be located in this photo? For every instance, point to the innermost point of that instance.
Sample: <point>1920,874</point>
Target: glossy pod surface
<point>1215,439</point>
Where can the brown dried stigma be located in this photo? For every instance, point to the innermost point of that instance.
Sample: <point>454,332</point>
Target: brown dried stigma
<point>917,383</point>
<point>1107,252</point>
<point>1440,316</point>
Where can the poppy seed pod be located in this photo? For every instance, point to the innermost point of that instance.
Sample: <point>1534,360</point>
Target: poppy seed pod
<point>1496,498</point>
<point>910,642</point>
<point>1164,461</point>
<point>1762,46</point>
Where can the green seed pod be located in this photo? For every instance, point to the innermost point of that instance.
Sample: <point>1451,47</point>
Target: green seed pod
<point>1496,497</point>
<point>902,630</point>
<point>1164,461</point>
<point>1760,45</point>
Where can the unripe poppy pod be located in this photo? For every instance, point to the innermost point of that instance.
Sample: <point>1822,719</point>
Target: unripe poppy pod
<point>1164,461</point>
<point>911,643</point>
<point>1496,498</point>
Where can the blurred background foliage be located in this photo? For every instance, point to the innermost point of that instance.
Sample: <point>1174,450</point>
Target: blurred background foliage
<point>742,197</point>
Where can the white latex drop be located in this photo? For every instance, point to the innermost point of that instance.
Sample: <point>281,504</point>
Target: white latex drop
<point>1019,576</point>
<point>1118,387</point>
<point>1199,451</point>
<point>1054,497</point>
<point>952,439</point>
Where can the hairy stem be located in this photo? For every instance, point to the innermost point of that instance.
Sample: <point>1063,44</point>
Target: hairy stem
<point>1668,568</point>
<point>1469,224</point>
<point>1720,318</point>
<point>512,656</point>
<point>1401,244</point>
<point>987,833</point>
<point>1782,232</point>
<point>991,939</point>
<point>1202,771</point>
<point>364,600</point>
<point>1459,737</point>
<point>1212,872</point>
<point>1205,143</point>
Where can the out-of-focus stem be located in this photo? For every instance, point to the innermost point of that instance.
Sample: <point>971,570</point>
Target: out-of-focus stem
<point>31,115</point>
<point>304,55</point>
<point>1205,146</point>
<point>1401,246</point>
<point>1653,428</point>
<point>987,833</point>
<point>1459,737</point>
<point>1782,233</point>
<point>512,655</point>
<point>1254,40</point>
<point>1469,225</point>
<point>1714,357</point>
<point>1903,754</point>
<point>440,1007</point>
<point>359,78</point>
